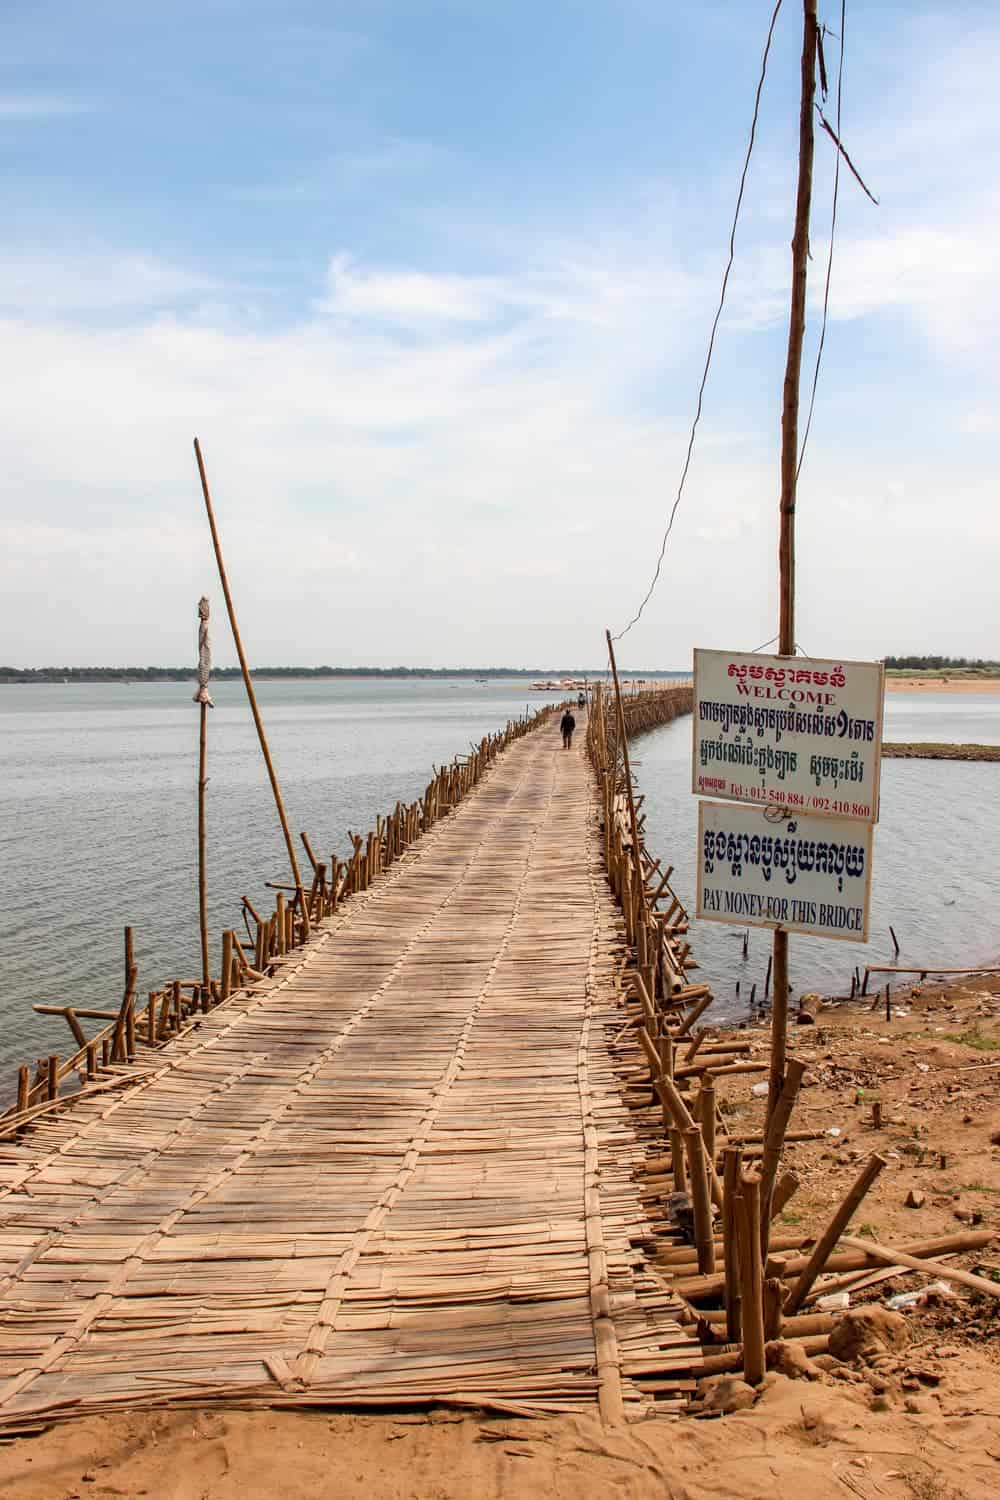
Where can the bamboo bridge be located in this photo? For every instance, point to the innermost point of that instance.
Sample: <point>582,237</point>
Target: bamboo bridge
<point>392,1157</point>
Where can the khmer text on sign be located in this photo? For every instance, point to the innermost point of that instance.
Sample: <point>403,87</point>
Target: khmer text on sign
<point>802,873</point>
<point>797,732</point>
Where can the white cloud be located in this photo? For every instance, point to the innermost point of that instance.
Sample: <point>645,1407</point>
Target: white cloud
<point>405,297</point>
<point>95,279</point>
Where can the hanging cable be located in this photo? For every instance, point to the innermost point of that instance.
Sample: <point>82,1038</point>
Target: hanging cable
<point>829,258</point>
<point>715,324</point>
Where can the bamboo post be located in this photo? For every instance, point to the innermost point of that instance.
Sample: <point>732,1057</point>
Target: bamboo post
<point>678,1165</point>
<point>751,1280</point>
<point>52,1077</point>
<point>706,1114</point>
<point>773,1293</point>
<point>118,1038</point>
<point>693,1014</point>
<point>785,1188</point>
<point>629,791</point>
<point>774,1138</point>
<point>789,465</point>
<point>23,1088</point>
<point>831,1234</point>
<point>701,1202</point>
<point>666,1045</point>
<point>247,680</point>
<point>732,1171</point>
<point>204,702</point>
<point>227,963</point>
<point>307,846</point>
<point>70,1015</point>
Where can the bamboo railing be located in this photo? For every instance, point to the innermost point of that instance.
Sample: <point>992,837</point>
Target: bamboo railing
<point>124,1048</point>
<point>742,1287</point>
<point>656,921</point>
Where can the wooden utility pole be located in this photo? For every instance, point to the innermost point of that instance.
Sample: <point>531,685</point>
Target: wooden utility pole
<point>251,695</point>
<point>204,702</point>
<point>789,463</point>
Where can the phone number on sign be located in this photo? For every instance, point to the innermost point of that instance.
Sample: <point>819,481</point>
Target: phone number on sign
<point>798,800</point>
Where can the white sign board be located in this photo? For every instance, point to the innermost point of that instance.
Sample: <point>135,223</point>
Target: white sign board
<point>801,873</point>
<point>790,731</point>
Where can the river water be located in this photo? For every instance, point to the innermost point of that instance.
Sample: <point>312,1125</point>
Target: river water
<point>936,857</point>
<point>97,826</point>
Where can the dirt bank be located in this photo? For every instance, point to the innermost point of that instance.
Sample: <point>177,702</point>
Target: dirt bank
<point>931,684</point>
<point>929,750</point>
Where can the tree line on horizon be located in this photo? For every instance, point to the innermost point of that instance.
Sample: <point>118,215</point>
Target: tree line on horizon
<point>940,664</point>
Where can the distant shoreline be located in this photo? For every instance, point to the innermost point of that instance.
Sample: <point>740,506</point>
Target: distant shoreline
<point>70,675</point>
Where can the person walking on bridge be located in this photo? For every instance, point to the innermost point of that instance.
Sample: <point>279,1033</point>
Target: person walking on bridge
<point>567,724</point>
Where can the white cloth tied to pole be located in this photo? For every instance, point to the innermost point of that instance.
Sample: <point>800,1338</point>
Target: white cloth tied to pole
<point>204,655</point>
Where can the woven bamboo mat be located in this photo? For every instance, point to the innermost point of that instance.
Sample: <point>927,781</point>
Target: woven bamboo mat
<point>401,1170</point>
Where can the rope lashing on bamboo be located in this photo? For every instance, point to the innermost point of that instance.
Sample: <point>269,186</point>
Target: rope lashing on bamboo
<point>204,655</point>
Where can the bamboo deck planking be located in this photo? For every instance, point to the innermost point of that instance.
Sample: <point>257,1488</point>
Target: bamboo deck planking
<point>400,1170</point>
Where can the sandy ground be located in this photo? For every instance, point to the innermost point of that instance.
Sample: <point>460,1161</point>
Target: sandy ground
<point>822,1440</point>
<point>931,684</point>
<point>927,1429</point>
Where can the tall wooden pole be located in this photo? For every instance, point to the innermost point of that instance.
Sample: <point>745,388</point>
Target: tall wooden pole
<point>204,702</point>
<point>789,462</point>
<point>624,744</point>
<point>248,684</point>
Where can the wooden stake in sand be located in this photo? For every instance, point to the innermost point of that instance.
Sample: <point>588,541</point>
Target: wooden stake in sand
<point>831,1234</point>
<point>248,684</point>
<point>203,698</point>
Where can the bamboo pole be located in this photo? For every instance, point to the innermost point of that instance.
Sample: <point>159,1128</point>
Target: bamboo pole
<point>831,1234</point>
<point>929,1267</point>
<point>774,1139</point>
<point>732,1172</point>
<point>706,1114</point>
<point>204,703</point>
<point>677,1159</point>
<point>789,465</point>
<point>629,791</point>
<point>701,1201</point>
<point>227,963</point>
<point>247,680</point>
<point>785,1188</point>
<point>751,1280</point>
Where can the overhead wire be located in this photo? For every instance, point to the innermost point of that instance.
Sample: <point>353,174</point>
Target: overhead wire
<point>715,325</point>
<point>829,258</point>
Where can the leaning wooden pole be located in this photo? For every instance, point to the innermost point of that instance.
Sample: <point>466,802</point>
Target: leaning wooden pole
<point>789,464</point>
<point>248,684</point>
<point>620,710</point>
<point>204,701</point>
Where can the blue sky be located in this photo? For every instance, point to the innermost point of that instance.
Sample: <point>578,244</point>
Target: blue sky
<point>433,284</point>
